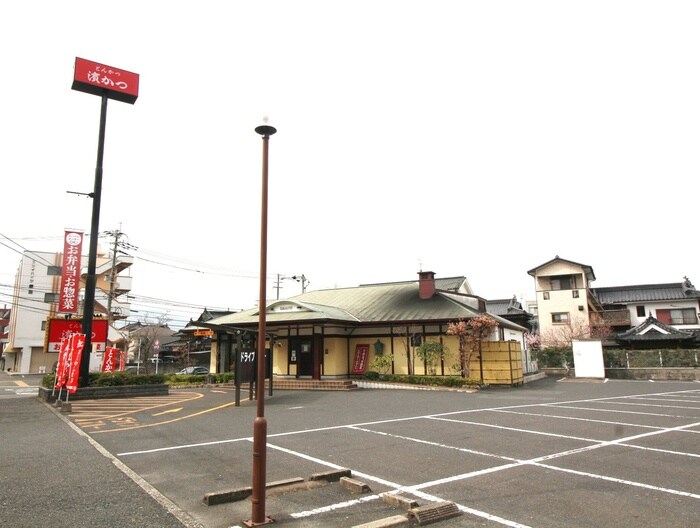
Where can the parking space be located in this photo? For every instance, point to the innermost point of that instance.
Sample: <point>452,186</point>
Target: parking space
<point>549,454</point>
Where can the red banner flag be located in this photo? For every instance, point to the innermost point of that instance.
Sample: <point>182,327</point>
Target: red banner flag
<point>109,363</point>
<point>77,345</point>
<point>62,367</point>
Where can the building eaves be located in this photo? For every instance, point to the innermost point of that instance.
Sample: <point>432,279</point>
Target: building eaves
<point>651,329</point>
<point>586,268</point>
<point>502,322</point>
<point>642,293</point>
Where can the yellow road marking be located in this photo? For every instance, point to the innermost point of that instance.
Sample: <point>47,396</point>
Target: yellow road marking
<point>168,411</point>
<point>167,421</point>
<point>21,384</point>
<point>135,405</point>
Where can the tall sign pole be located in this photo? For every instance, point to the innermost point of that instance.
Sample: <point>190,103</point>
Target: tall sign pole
<point>109,83</point>
<point>260,425</point>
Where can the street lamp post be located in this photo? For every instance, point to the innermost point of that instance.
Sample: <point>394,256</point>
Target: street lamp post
<point>260,425</point>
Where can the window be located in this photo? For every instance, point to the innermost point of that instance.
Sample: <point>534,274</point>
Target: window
<point>574,294</point>
<point>51,297</point>
<point>53,270</point>
<point>545,296</point>
<point>563,282</point>
<point>677,316</point>
<point>641,312</point>
<point>560,318</point>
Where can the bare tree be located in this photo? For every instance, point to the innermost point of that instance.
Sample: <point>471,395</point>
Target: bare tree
<point>562,335</point>
<point>407,337</point>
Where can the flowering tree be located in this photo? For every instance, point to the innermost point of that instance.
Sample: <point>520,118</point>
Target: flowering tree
<point>470,335</point>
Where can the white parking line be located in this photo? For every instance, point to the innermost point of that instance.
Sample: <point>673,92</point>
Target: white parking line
<point>396,488</point>
<point>541,461</point>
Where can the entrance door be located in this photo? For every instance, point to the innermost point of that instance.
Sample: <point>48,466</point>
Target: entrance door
<point>305,357</point>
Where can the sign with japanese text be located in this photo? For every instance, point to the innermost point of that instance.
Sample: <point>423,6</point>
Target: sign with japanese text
<point>70,272</point>
<point>98,79</point>
<point>62,366</point>
<point>246,366</point>
<point>109,363</point>
<point>77,343</point>
<point>58,329</point>
<point>361,355</point>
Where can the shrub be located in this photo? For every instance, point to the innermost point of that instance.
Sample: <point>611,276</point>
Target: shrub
<point>433,381</point>
<point>555,357</point>
<point>382,364</point>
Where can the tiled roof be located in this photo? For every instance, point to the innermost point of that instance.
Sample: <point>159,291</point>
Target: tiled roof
<point>505,307</point>
<point>376,304</point>
<point>651,329</point>
<point>645,292</point>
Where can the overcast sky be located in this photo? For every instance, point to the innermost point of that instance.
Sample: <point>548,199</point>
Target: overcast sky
<point>465,138</point>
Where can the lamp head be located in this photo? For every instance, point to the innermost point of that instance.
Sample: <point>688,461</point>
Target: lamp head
<point>265,130</point>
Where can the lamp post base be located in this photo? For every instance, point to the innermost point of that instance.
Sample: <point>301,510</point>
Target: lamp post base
<point>251,524</point>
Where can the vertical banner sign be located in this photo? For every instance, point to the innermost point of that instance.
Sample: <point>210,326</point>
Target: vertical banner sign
<point>62,367</point>
<point>70,273</point>
<point>77,345</point>
<point>122,360</point>
<point>110,360</point>
<point>361,355</point>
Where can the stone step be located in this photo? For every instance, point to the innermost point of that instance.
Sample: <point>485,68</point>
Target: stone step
<point>307,384</point>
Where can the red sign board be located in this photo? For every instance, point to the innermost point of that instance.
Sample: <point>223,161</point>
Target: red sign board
<point>59,329</point>
<point>360,363</point>
<point>98,79</point>
<point>70,272</point>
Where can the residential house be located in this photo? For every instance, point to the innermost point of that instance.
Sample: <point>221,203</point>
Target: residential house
<point>568,306</point>
<point>336,333</point>
<point>192,344</point>
<point>512,309</point>
<point>147,345</point>
<point>35,301</point>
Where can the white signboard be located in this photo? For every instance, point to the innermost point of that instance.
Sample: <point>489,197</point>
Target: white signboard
<point>588,359</point>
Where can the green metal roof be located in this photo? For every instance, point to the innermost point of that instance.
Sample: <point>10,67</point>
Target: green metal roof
<point>374,304</point>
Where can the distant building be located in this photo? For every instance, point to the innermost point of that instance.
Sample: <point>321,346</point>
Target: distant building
<point>35,299</point>
<point>567,305</point>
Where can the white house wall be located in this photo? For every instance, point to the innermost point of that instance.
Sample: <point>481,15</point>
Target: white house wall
<point>560,301</point>
<point>650,308</point>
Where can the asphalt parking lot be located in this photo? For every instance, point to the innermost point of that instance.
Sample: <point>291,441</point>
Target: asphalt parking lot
<point>552,453</point>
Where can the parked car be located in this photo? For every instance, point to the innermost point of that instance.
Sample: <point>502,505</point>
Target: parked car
<point>133,369</point>
<point>194,370</point>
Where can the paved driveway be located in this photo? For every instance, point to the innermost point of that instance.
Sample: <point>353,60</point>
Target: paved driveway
<point>549,454</point>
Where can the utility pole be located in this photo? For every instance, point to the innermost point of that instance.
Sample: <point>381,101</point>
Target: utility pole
<point>112,276</point>
<point>299,278</point>
<point>278,285</point>
<point>304,281</point>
